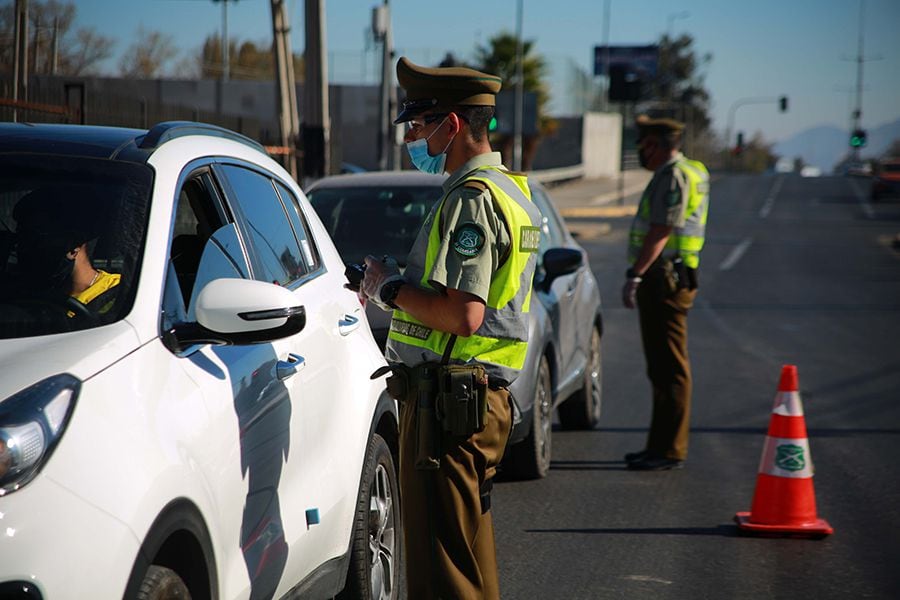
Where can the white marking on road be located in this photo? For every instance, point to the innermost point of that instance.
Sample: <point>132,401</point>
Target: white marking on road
<point>647,578</point>
<point>770,200</point>
<point>863,199</point>
<point>735,255</point>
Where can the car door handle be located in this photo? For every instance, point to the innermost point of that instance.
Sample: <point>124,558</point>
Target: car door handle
<point>287,368</point>
<point>347,324</point>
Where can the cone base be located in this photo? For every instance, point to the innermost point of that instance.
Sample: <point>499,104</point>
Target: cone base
<point>818,528</point>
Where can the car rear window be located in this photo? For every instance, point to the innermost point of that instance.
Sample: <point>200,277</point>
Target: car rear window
<point>374,220</point>
<point>71,234</point>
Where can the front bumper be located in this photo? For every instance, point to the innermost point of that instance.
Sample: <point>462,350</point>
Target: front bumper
<point>50,539</point>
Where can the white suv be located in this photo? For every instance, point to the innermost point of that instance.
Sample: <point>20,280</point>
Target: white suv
<point>185,401</point>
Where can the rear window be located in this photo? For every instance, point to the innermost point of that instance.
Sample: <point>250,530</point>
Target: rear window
<point>71,234</point>
<point>374,220</point>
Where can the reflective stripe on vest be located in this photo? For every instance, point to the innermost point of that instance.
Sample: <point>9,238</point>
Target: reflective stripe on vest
<point>500,343</point>
<point>687,240</point>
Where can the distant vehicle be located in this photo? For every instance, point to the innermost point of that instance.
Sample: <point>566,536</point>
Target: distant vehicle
<point>381,213</point>
<point>858,169</point>
<point>886,182</point>
<point>784,165</point>
<point>209,431</point>
<point>810,171</point>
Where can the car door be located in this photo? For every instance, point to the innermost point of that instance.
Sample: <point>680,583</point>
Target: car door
<point>247,403</point>
<point>563,293</point>
<point>315,492</point>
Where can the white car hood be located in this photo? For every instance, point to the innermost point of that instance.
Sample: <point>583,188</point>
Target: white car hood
<point>26,361</point>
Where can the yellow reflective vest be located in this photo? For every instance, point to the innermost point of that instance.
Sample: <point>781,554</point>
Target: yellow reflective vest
<point>686,241</point>
<point>500,343</point>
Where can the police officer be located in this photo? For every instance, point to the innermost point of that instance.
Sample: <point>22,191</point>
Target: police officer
<point>461,300</point>
<point>664,253</point>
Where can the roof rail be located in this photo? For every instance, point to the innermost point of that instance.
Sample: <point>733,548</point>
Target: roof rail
<point>169,130</point>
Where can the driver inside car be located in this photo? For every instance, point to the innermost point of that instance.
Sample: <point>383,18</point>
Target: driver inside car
<point>54,231</point>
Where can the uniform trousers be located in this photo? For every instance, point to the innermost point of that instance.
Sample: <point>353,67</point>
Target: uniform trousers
<point>449,542</point>
<point>664,333</point>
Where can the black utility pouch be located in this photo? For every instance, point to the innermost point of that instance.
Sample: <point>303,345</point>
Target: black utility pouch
<point>462,399</point>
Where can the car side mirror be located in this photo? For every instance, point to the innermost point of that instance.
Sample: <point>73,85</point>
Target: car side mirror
<point>559,262</point>
<point>239,312</point>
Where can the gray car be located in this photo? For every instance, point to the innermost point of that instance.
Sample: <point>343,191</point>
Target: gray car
<point>381,212</point>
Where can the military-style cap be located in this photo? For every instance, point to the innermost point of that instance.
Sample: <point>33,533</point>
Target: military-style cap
<point>443,88</point>
<point>662,126</point>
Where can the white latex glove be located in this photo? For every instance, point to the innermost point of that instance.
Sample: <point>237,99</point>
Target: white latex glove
<point>378,273</point>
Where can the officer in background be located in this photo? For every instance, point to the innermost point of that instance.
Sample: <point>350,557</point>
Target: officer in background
<point>664,252</point>
<point>458,334</point>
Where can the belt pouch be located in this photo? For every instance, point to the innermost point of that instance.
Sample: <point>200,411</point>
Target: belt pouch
<point>462,399</point>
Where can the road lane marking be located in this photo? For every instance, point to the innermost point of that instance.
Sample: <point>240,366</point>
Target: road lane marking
<point>735,255</point>
<point>770,200</point>
<point>863,199</point>
<point>648,579</point>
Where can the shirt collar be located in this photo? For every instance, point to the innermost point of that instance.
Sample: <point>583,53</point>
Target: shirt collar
<point>488,159</point>
<point>678,156</point>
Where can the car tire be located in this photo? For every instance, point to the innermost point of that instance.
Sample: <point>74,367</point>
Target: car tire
<point>161,583</point>
<point>530,458</point>
<point>582,409</point>
<point>376,555</point>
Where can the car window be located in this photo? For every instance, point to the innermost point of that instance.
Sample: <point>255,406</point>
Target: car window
<point>204,247</point>
<point>552,230</point>
<point>65,220</point>
<point>276,255</point>
<point>301,228</point>
<point>374,219</point>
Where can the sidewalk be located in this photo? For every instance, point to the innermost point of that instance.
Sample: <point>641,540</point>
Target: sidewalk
<point>583,197</point>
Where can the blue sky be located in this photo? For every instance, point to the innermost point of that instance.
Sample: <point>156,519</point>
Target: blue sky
<point>804,49</point>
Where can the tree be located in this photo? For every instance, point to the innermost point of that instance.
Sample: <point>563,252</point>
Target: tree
<point>247,61</point>
<point>678,87</point>
<point>79,52</point>
<point>147,56</point>
<point>499,58</point>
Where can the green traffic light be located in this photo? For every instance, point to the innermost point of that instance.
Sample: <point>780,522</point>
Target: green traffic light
<point>492,126</point>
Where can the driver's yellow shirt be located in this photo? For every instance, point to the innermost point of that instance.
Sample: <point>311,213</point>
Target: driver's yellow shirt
<point>104,282</point>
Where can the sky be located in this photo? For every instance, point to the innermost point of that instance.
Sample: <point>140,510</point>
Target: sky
<point>803,49</point>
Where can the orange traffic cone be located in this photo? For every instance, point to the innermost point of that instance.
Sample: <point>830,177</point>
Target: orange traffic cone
<point>784,501</point>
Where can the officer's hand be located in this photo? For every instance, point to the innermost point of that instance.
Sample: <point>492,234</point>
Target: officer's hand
<point>378,273</point>
<point>629,292</point>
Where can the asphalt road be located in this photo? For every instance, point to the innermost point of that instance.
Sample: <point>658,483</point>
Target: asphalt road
<point>795,271</point>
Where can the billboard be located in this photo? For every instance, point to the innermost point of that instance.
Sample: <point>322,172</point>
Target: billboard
<point>642,61</point>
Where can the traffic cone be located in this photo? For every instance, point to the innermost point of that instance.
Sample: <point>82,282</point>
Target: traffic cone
<point>784,501</point>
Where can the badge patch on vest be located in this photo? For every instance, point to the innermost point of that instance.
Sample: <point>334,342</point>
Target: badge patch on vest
<point>529,238</point>
<point>468,240</point>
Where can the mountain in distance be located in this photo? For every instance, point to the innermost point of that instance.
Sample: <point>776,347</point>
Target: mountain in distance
<point>827,145</point>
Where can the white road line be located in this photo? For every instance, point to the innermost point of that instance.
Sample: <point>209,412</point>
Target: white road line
<point>770,200</point>
<point>735,255</point>
<point>863,199</point>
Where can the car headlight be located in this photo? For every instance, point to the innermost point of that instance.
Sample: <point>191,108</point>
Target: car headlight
<point>31,423</point>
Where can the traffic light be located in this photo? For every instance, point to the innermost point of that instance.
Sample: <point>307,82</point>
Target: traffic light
<point>492,125</point>
<point>783,104</point>
<point>858,138</point>
<point>739,146</point>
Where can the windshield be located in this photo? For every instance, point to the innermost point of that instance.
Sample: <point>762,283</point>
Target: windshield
<point>374,220</point>
<point>71,232</point>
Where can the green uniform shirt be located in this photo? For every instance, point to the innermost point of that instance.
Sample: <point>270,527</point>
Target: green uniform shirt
<point>668,193</point>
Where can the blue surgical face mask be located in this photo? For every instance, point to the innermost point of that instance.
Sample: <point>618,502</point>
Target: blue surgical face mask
<point>422,160</point>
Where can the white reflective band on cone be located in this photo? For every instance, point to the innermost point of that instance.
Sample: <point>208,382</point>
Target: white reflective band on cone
<point>788,404</point>
<point>786,457</point>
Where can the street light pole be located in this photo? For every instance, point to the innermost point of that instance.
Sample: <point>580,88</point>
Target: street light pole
<point>517,112</point>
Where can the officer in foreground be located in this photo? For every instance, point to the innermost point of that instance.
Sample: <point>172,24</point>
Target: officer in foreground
<point>458,335</point>
<point>664,252</point>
